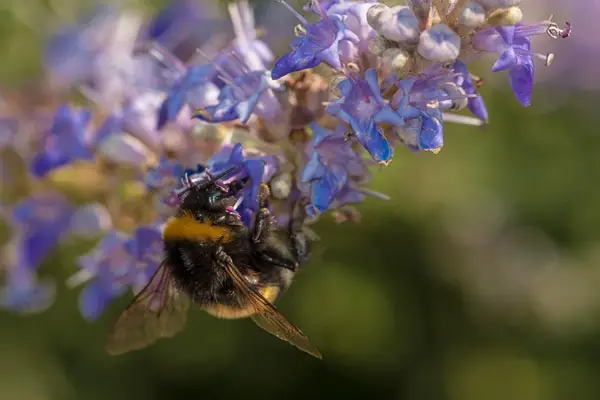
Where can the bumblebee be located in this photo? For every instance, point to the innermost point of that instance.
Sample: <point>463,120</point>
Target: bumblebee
<point>214,260</point>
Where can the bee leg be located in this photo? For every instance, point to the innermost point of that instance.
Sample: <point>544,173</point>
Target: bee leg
<point>263,221</point>
<point>266,250</point>
<point>299,241</point>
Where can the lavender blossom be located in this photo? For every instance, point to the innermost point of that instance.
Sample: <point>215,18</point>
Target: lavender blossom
<point>66,141</point>
<point>334,171</point>
<point>196,79</point>
<point>363,108</point>
<point>242,97</point>
<point>319,43</point>
<point>106,270</point>
<point>41,222</point>
<point>513,44</point>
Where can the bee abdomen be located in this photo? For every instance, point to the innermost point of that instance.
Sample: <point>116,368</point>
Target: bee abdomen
<point>230,311</point>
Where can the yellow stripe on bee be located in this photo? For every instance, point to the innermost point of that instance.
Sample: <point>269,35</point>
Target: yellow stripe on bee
<point>188,228</point>
<point>228,312</point>
<point>270,293</point>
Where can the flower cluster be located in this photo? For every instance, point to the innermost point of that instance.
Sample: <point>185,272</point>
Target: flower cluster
<point>164,107</point>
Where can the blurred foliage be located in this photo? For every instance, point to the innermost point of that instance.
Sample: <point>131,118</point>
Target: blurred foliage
<point>478,280</point>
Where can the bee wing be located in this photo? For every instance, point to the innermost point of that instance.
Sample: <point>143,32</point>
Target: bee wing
<point>268,317</point>
<point>158,310</point>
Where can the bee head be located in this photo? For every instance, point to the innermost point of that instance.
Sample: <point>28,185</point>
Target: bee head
<point>213,198</point>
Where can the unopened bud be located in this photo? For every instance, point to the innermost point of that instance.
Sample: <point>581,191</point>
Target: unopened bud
<point>398,24</point>
<point>439,43</point>
<point>377,14</point>
<point>505,16</point>
<point>125,149</point>
<point>281,185</point>
<point>493,4</point>
<point>472,15</point>
<point>395,58</point>
<point>378,44</point>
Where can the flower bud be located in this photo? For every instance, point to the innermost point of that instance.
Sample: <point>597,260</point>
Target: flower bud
<point>493,4</point>
<point>125,149</point>
<point>396,58</point>
<point>378,44</point>
<point>505,16</point>
<point>472,15</point>
<point>398,23</point>
<point>377,14</point>
<point>91,219</point>
<point>281,185</point>
<point>439,43</point>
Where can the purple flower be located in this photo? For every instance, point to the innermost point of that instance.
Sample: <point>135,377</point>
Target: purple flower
<point>475,104</point>
<point>106,270</point>
<point>71,54</point>
<point>355,19</point>
<point>65,142</point>
<point>362,106</point>
<point>255,53</point>
<point>430,136</point>
<point>24,293</point>
<point>156,69</point>
<point>319,44</point>
<point>41,221</point>
<point>113,124</point>
<point>179,15</point>
<point>333,170</point>
<point>166,173</point>
<point>515,56</point>
<point>113,144</point>
<point>327,182</point>
<point>164,179</point>
<point>140,115</point>
<point>419,101</point>
<point>239,99</point>
<point>90,220</point>
<point>182,26</point>
<point>513,44</point>
<point>195,88</point>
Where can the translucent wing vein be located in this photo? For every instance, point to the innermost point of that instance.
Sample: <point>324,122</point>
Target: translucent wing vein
<point>159,310</point>
<point>268,317</point>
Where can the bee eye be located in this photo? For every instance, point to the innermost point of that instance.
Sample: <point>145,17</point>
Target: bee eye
<point>214,197</point>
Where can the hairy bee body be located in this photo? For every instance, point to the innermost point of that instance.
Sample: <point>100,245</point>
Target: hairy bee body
<point>193,268</point>
<point>221,265</point>
<point>201,231</point>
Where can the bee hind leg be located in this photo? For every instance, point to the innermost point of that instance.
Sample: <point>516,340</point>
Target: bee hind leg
<point>298,238</point>
<point>263,220</point>
<point>267,249</point>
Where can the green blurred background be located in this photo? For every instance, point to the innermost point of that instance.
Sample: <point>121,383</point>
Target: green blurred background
<point>477,281</point>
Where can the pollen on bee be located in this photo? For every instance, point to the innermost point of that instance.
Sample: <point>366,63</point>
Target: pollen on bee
<point>187,227</point>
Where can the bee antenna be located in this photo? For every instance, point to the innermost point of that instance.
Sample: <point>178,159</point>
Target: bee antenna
<point>222,174</point>
<point>211,179</point>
